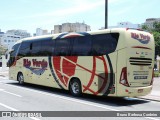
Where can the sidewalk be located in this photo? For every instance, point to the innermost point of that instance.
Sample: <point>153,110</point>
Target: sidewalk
<point>4,72</point>
<point>154,95</point>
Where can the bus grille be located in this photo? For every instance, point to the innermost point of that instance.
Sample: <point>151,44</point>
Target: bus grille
<point>140,61</point>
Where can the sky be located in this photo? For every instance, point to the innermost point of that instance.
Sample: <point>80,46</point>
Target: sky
<point>31,14</point>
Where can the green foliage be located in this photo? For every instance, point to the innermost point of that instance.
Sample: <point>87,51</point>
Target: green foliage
<point>145,27</point>
<point>156,33</point>
<point>156,26</point>
<point>156,74</point>
<point>2,50</point>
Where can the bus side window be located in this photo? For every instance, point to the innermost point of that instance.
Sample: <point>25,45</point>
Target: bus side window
<point>103,44</point>
<point>35,48</point>
<point>24,49</point>
<point>13,55</point>
<point>82,46</point>
<point>47,48</point>
<point>30,47</point>
<point>62,47</point>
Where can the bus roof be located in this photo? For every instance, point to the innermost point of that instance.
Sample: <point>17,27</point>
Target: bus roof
<point>73,33</point>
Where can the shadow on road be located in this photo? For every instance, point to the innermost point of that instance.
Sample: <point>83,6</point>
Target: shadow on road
<point>111,101</point>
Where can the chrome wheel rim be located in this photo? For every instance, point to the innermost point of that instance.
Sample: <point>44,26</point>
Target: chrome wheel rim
<point>75,88</point>
<point>21,79</point>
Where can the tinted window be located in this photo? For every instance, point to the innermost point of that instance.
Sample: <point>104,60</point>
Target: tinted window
<point>13,55</point>
<point>35,48</point>
<point>63,47</point>
<point>82,46</point>
<point>104,43</point>
<point>15,50</point>
<point>47,48</point>
<point>25,49</point>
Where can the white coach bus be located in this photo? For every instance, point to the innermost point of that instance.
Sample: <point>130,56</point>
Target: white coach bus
<point>112,62</point>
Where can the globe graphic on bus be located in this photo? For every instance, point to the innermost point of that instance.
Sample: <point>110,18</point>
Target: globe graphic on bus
<point>66,66</point>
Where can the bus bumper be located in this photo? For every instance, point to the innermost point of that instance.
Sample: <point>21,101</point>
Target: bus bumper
<point>134,91</point>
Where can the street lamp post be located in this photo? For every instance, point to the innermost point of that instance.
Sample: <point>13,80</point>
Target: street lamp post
<point>106,14</point>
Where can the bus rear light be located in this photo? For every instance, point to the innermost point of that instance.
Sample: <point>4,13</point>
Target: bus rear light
<point>123,78</point>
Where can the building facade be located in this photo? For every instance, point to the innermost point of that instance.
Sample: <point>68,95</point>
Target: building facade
<point>71,27</point>
<point>21,33</point>
<point>126,25</point>
<point>150,21</point>
<point>40,32</point>
<point>9,38</point>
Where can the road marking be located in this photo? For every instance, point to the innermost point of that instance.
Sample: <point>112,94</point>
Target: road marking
<point>8,107</point>
<point>1,89</point>
<point>76,100</point>
<point>13,109</point>
<point>66,98</point>
<point>12,93</point>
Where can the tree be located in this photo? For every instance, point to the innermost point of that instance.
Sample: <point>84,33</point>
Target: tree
<point>157,42</point>
<point>156,26</point>
<point>145,27</point>
<point>156,33</point>
<point>3,50</point>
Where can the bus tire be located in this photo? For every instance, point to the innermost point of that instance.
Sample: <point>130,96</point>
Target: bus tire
<point>20,78</point>
<point>75,87</point>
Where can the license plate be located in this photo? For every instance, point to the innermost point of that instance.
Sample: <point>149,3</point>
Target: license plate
<point>140,90</point>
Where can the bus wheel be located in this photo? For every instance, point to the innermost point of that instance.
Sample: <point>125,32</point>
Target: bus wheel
<point>75,87</point>
<point>20,78</point>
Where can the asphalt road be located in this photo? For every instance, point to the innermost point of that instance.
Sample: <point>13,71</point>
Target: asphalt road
<point>14,97</point>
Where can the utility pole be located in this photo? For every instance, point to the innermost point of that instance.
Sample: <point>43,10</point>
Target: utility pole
<point>106,14</point>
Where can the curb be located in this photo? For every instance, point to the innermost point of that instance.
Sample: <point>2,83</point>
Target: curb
<point>149,99</point>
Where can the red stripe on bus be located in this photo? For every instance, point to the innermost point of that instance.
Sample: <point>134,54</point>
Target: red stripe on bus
<point>64,71</point>
<point>89,71</point>
<point>90,90</point>
<point>93,74</point>
<point>99,57</point>
<point>141,47</point>
<point>71,36</point>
